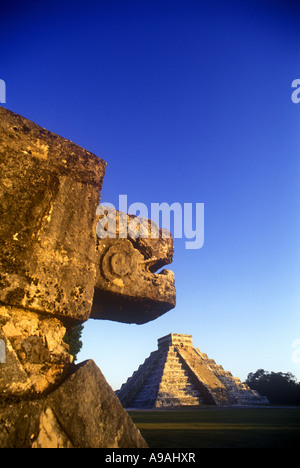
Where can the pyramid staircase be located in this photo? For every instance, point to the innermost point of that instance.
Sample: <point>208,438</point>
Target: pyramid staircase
<point>177,374</point>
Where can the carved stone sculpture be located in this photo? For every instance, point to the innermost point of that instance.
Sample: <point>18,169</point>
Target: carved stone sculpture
<point>54,274</point>
<point>127,289</point>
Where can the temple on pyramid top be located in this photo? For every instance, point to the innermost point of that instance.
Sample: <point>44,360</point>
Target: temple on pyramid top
<point>177,374</point>
<point>175,339</point>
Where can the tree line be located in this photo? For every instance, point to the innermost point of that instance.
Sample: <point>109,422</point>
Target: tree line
<point>278,387</point>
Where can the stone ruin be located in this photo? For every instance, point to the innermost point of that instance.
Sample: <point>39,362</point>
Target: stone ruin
<point>177,374</point>
<point>56,273</point>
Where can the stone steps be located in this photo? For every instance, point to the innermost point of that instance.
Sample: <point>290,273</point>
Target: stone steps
<point>170,385</point>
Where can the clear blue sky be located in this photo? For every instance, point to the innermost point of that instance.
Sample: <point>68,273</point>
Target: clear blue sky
<point>187,101</point>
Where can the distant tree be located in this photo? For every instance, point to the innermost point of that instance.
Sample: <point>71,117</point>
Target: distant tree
<point>73,339</point>
<point>278,387</point>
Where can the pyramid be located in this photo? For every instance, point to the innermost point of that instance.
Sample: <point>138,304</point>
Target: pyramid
<point>177,374</point>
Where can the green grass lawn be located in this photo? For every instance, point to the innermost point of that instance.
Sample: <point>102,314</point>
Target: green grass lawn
<point>217,427</point>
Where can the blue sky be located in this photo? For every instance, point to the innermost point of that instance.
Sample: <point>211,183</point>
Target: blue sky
<point>189,102</point>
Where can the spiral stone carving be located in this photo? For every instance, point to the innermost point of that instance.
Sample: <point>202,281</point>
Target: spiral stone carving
<point>119,261</point>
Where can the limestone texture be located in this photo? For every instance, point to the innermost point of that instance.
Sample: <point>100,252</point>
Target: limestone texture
<point>49,193</point>
<point>177,374</point>
<point>37,358</point>
<point>83,412</point>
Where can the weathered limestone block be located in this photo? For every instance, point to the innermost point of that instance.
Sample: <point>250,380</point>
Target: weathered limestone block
<point>37,358</point>
<point>82,413</point>
<point>127,289</point>
<point>49,192</point>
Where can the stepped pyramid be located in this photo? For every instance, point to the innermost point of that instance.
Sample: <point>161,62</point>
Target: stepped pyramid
<point>177,374</point>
